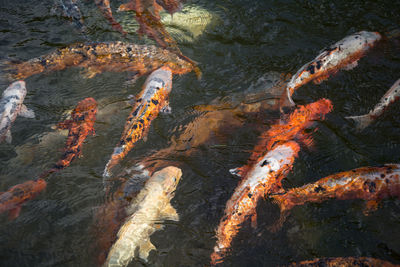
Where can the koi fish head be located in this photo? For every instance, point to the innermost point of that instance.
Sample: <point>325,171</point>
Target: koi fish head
<point>17,88</point>
<point>169,178</point>
<point>86,105</point>
<point>158,79</point>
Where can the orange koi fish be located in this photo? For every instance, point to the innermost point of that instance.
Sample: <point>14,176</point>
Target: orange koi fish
<point>104,6</point>
<point>297,122</point>
<point>341,55</point>
<point>139,6</point>
<point>392,95</point>
<point>264,173</point>
<point>80,126</point>
<point>101,57</point>
<point>13,198</point>
<point>344,262</point>
<point>150,101</point>
<point>370,183</point>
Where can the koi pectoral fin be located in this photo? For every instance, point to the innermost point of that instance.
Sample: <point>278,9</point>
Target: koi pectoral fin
<point>27,113</point>
<point>8,137</point>
<point>370,206</point>
<point>351,66</point>
<point>144,249</point>
<point>279,223</point>
<point>14,213</point>
<point>254,220</point>
<point>166,108</point>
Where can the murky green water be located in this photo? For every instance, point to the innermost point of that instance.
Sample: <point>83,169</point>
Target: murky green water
<point>252,38</point>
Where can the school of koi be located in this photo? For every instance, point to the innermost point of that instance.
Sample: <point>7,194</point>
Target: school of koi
<point>272,159</point>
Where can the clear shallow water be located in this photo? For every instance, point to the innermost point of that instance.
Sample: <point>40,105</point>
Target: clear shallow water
<point>253,38</point>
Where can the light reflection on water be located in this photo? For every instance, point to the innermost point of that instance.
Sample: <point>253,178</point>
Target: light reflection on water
<point>252,39</point>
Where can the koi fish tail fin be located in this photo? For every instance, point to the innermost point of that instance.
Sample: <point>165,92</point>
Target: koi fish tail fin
<point>8,70</point>
<point>217,256</point>
<point>361,121</point>
<point>279,200</point>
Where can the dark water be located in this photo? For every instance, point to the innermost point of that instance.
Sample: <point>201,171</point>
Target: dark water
<point>252,39</point>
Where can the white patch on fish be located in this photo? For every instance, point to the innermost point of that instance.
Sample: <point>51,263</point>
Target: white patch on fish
<point>150,207</point>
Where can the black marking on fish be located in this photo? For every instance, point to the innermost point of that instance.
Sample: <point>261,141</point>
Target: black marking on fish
<point>155,102</point>
<point>141,121</point>
<point>311,69</point>
<point>319,188</point>
<point>134,126</point>
<point>265,162</point>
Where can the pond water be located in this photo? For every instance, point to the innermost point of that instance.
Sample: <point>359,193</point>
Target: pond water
<point>247,40</point>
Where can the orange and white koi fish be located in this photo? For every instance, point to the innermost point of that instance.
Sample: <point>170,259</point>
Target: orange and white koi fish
<point>11,105</point>
<point>13,198</point>
<point>391,96</point>
<point>344,262</point>
<point>369,183</point>
<point>79,127</point>
<point>341,55</point>
<point>101,57</point>
<point>104,6</point>
<point>263,174</point>
<point>152,99</point>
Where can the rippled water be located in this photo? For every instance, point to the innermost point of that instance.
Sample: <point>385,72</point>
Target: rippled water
<point>252,39</point>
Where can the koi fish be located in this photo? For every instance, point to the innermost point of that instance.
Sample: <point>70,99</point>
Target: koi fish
<point>344,262</point>
<point>391,96</point>
<point>13,198</point>
<point>151,206</point>
<point>152,99</point>
<point>148,17</point>
<point>11,105</point>
<point>298,121</point>
<point>101,57</point>
<point>341,55</point>
<point>71,10</point>
<point>104,6</point>
<point>264,173</point>
<point>79,127</point>
<point>369,183</point>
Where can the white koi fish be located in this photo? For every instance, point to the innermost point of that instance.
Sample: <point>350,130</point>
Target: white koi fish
<point>341,55</point>
<point>151,206</point>
<point>11,105</point>
<point>391,96</point>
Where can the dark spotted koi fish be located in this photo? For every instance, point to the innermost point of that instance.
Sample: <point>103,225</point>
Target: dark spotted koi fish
<point>344,262</point>
<point>11,105</point>
<point>341,55</point>
<point>264,173</point>
<point>13,198</point>
<point>390,96</point>
<point>150,101</point>
<point>369,183</point>
<point>104,6</point>
<point>101,57</point>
